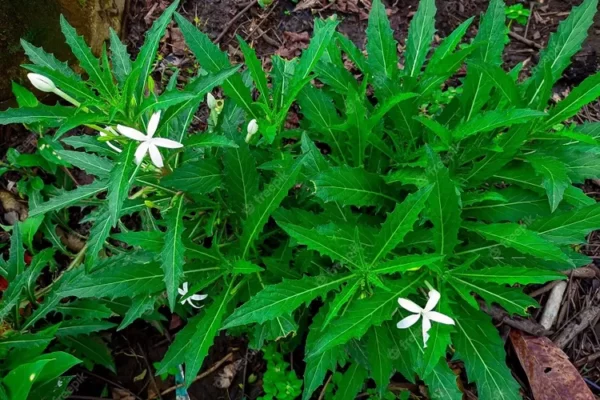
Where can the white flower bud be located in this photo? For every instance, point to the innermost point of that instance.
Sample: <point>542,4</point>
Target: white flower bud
<point>40,82</point>
<point>211,102</point>
<point>252,129</point>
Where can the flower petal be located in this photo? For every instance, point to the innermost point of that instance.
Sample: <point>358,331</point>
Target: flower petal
<point>426,328</point>
<point>153,124</point>
<point>434,298</point>
<point>409,305</point>
<point>166,143</point>
<point>155,156</point>
<point>193,305</point>
<point>131,133</point>
<point>198,297</point>
<point>439,317</point>
<point>115,148</point>
<point>140,153</point>
<point>408,321</point>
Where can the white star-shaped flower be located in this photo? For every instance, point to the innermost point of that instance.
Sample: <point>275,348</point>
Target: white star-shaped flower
<point>190,300</point>
<point>427,313</point>
<point>149,143</point>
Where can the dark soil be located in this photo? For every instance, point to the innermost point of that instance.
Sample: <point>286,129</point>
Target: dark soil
<point>280,29</point>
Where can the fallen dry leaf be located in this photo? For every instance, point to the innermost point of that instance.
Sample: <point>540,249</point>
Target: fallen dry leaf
<point>549,371</point>
<point>293,43</point>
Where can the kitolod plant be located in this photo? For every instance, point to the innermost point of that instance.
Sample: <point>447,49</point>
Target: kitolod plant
<point>371,237</point>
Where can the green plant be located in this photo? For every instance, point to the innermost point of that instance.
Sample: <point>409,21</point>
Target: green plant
<point>418,193</point>
<point>518,14</point>
<point>279,382</point>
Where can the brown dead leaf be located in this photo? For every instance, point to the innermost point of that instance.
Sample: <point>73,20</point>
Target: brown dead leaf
<point>120,394</point>
<point>177,41</point>
<point>70,240</point>
<point>293,44</point>
<point>549,371</point>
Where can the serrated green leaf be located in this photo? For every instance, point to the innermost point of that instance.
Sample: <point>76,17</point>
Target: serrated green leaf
<point>569,227</point>
<point>399,222</point>
<point>362,314</point>
<point>195,177</point>
<point>38,56</point>
<point>90,163</point>
<point>255,68</point>
<point>586,92</point>
<point>84,308</point>
<point>139,307</point>
<point>119,180</point>
<point>98,235</point>
<point>142,66</point>
<point>75,327</point>
<point>70,198</point>
<point>16,257</point>
<point>209,140</point>
<point>351,383</point>
<point>241,178</point>
<point>480,347</point>
<point>520,238</point>
<point>327,245</point>
<point>442,383</point>
<point>88,62</point>
<point>406,263</point>
<point>173,250</point>
<point>265,204</point>
<point>351,186</point>
<point>509,275</point>
<point>511,299</point>
<point>502,81</point>
<point>555,179</point>
<point>50,116</point>
<point>563,44</point>
<point>381,46</point>
<point>121,62</point>
<point>276,300</point>
<point>443,206</point>
<point>213,60</point>
<point>448,45</point>
<point>378,347</point>
<point>490,120</point>
<point>148,240</point>
<point>420,35</point>
<point>491,35</point>
<point>340,300</point>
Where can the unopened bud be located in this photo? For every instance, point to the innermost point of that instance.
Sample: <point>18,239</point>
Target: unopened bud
<point>41,83</point>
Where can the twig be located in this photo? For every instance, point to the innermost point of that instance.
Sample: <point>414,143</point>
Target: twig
<point>574,328</point>
<point>525,325</point>
<point>232,21</point>
<point>209,371</point>
<point>524,40</point>
<point>322,394</point>
<point>150,374</point>
<point>544,289</point>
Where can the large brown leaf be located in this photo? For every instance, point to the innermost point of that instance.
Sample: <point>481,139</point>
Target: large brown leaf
<point>549,371</point>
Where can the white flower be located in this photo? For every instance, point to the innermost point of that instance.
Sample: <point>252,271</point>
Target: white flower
<point>190,300</point>
<point>211,102</point>
<point>252,129</point>
<point>149,143</point>
<point>427,313</point>
<point>41,83</point>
